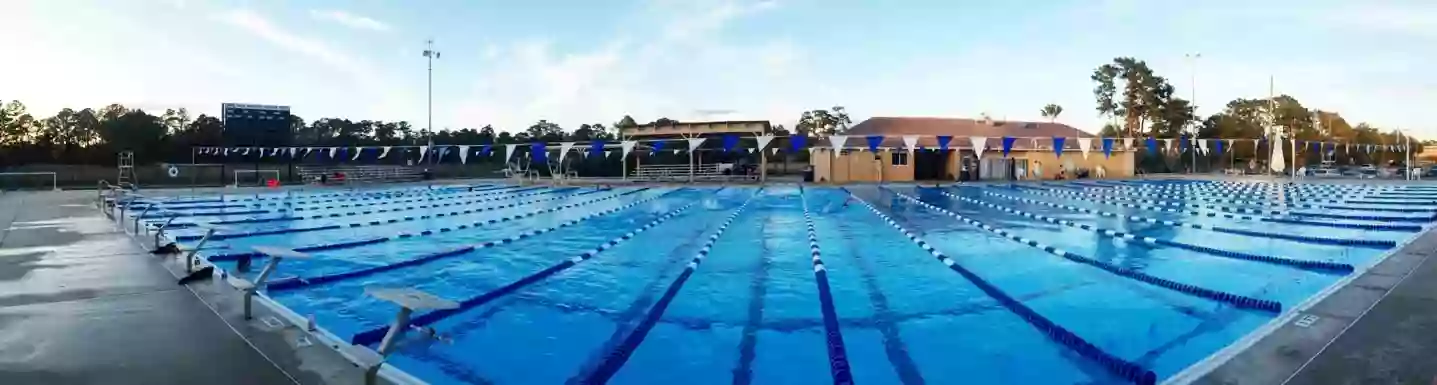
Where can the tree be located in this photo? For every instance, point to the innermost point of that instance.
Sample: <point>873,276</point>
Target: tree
<point>175,120</point>
<point>135,131</point>
<point>824,122</point>
<point>1051,111</point>
<point>626,122</point>
<point>545,131</point>
<point>1146,97</point>
<point>665,122</point>
<point>486,134</point>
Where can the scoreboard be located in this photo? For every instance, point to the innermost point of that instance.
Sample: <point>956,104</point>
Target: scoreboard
<point>256,125</point>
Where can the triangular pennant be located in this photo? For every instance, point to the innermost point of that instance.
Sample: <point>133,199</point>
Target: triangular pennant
<point>564,148</point>
<point>1167,144</point>
<point>911,142</point>
<point>773,151</point>
<point>1085,144</point>
<point>763,141</point>
<point>1107,147</point>
<point>357,151</point>
<point>539,152</point>
<point>750,150</point>
<point>332,150</point>
<point>627,145</point>
<point>486,149</point>
<point>246,152</point>
<point>307,150</point>
<point>1152,145</point>
<point>676,151</point>
<point>509,151</point>
<point>608,153</point>
<point>383,152</point>
<point>798,142</point>
<point>837,142</point>
<point>943,142</point>
<point>1219,146</point>
<point>656,147</point>
<point>463,154</point>
<point>596,147</point>
<point>694,143</point>
<point>1128,143</point>
<point>423,151</point>
<point>1008,145</point>
<point>1058,145</point>
<point>292,150</point>
<point>729,141</point>
<point>275,152</point>
<point>873,142</point>
<point>980,143</point>
<point>1202,147</point>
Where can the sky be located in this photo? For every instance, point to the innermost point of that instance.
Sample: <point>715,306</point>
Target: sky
<point>510,63</point>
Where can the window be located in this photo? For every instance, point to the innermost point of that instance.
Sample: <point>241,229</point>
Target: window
<point>900,158</point>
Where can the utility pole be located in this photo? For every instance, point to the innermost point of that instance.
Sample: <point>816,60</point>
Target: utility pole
<point>1192,95</point>
<point>431,54</point>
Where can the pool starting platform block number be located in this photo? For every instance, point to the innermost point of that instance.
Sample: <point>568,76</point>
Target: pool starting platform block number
<point>275,254</point>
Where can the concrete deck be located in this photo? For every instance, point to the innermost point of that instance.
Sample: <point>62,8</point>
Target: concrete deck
<point>81,302</point>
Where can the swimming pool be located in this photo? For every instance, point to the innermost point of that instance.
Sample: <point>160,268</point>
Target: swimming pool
<point>1054,283</point>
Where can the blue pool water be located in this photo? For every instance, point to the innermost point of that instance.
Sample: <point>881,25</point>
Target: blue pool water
<point>1053,283</point>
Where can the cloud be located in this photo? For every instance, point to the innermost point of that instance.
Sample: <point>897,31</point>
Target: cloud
<point>259,26</point>
<point>349,20</point>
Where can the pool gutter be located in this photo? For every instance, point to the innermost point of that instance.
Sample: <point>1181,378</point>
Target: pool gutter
<point>388,374</point>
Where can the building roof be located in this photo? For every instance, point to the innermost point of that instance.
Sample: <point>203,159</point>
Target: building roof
<point>697,128</point>
<point>893,128</point>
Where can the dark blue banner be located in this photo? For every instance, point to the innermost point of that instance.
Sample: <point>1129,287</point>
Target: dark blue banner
<point>874,141</point>
<point>1058,145</point>
<point>1008,145</point>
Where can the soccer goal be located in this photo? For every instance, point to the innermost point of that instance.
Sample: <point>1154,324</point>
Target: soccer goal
<point>40,180</point>
<point>254,177</point>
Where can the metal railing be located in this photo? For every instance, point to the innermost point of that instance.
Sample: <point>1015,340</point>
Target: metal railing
<point>54,178</point>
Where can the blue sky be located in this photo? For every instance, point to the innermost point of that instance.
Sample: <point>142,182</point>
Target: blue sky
<point>510,63</point>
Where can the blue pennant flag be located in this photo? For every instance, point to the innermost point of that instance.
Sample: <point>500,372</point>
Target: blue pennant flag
<point>1152,145</point>
<point>797,142</point>
<point>874,141</point>
<point>1183,142</point>
<point>943,142</point>
<point>1008,145</point>
<point>729,141</point>
<point>1058,145</point>
<point>655,147</point>
<point>1107,147</point>
<point>485,150</point>
<point>1218,144</point>
<point>596,148</point>
<point>539,153</point>
<point>1316,146</point>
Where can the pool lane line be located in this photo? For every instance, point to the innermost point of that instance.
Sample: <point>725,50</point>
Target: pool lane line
<point>1115,365</point>
<point>1271,205</point>
<point>1382,244</point>
<point>300,282</point>
<point>373,335</point>
<point>1322,202</point>
<point>1149,242</point>
<point>353,196</point>
<point>459,196</point>
<point>1240,301</point>
<point>753,320</point>
<point>1100,199</point>
<point>884,319</point>
<point>1321,197</point>
<point>1350,197</point>
<point>837,353</point>
<point>482,209</point>
<point>477,199</point>
<point>616,358</point>
<point>476,224</point>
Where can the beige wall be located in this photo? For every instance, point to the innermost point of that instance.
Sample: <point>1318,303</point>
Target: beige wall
<point>858,167</point>
<point>1120,165</point>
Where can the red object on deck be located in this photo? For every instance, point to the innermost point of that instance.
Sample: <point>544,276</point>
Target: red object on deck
<point>272,183</point>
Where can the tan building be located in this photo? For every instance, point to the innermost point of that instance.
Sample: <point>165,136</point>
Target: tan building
<point>1032,155</point>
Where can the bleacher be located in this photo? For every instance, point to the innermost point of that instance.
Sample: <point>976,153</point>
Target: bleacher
<point>362,173</point>
<point>680,173</point>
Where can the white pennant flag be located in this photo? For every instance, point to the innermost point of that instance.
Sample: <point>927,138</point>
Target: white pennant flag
<point>331,151</point>
<point>1033,142</point>
<point>810,150</point>
<point>463,154</point>
<point>1202,147</point>
<point>628,146</point>
<point>1275,162</point>
<point>307,150</point>
<point>980,143</point>
<point>1229,144</point>
<point>423,150</point>
<point>608,153</point>
<point>1128,143</point>
<point>246,151</point>
<point>763,141</point>
<point>564,148</point>
<point>694,144</point>
<point>509,151</point>
<point>676,151</point>
<point>384,152</point>
<point>837,142</point>
<point>750,150</point>
<point>773,151</point>
<point>357,152</point>
<point>1085,144</point>
<point>910,141</point>
<point>276,151</point>
<point>292,151</point>
<point>227,151</point>
<point>1167,144</point>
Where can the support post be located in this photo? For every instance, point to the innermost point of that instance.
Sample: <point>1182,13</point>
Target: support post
<point>276,255</point>
<point>161,230</point>
<point>142,215</point>
<point>190,256</point>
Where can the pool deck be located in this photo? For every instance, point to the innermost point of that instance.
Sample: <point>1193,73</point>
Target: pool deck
<point>83,302</point>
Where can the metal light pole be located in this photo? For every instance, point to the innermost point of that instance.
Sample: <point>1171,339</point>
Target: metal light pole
<point>431,54</point>
<point>1192,99</point>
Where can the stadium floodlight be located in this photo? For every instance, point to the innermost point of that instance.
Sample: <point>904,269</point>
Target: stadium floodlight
<point>431,54</point>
